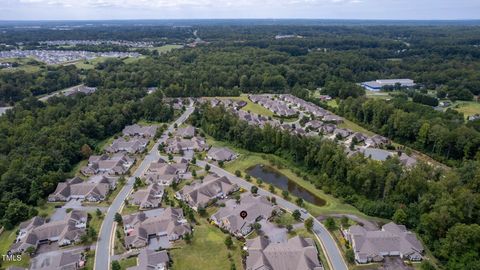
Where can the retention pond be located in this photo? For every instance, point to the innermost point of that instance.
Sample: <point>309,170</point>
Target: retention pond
<point>272,176</point>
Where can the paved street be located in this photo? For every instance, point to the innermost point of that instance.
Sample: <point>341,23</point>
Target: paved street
<point>104,248</point>
<point>329,246</point>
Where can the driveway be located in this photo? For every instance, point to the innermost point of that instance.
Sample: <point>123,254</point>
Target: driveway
<point>274,233</point>
<point>367,224</point>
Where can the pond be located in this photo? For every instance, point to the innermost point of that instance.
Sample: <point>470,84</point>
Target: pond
<point>272,176</point>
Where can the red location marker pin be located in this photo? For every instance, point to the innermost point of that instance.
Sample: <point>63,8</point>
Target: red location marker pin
<point>243,214</point>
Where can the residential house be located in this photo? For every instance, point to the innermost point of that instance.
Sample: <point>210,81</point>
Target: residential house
<point>296,253</point>
<point>221,154</point>
<point>36,231</point>
<point>228,217</point>
<point>201,193</point>
<point>407,160</point>
<point>376,141</point>
<point>332,118</point>
<point>152,260</point>
<point>68,260</point>
<point>148,198</point>
<point>391,240</point>
<point>176,145</point>
<point>165,174</point>
<point>116,164</point>
<point>186,133</point>
<point>94,190</point>
<point>342,133</point>
<point>140,131</point>
<point>376,154</point>
<point>132,145</point>
<point>140,229</point>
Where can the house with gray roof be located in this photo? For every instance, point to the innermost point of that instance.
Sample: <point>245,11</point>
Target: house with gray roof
<point>115,164</point>
<point>152,260</point>
<point>376,154</point>
<point>68,260</point>
<point>95,189</point>
<point>37,231</point>
<point>141,131</point>
<point>296,253</point>
<point>130,145</point>
<point>407,160</point>
<point>176,145</point>
<point>391,240</point>
<point>228,217</point>
<point>164,173</point>
<point>221,154</point>
<point>186,132</point>
<point>148,198</point>
<point>140,229</point>
<point>332,118</point>
<point>342,133</point>
<point>202,193</point>
<point>377,141</point>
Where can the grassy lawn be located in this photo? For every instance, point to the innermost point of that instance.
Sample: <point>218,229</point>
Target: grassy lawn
<point>119,248</point>
<point>332,103</point>
<point>90,260</point>
<point>130,209</point>
<point>95,222</point>
<point>167,48</point>
<point>6,240</point>
<point>251,107</point>
<point>26,64</point>
<point>206,251</point>
<point>354,127</point>
<point>129,262</point>
<point>467,107</point>
<point>248,159</point>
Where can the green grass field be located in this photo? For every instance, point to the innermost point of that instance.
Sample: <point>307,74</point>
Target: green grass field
<point>167,48</point>
<point>206,251</point>
<point>467,107</point>
<point>25,64</point>
<point>354,127</point>
<point>251,107</point>
<point>129,262</point>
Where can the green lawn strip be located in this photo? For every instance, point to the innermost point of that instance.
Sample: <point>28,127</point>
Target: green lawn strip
<point>206,251</point>
<point>129,262</point>
<point>90,256</point>
<point>119,247</point>
<point>354,127</point>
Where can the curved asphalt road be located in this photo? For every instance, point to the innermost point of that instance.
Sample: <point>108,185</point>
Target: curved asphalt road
<point>104,248</point>
<point>329,246</point>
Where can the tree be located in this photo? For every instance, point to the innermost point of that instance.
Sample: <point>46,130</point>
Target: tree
<point>194,160</point>
<point>238,173</point>
<point>202,211</point>
<point>248,178</point>
<point>116,265</point>
<point>228,242</point>
<point>254,190</point>
<point>289,227</point>
<point>98,212</point>
<point>86,151</point>
<point>188,238</point>
<point>400,217</point>
<point>296,214</point>
<point>350,255</point>
<point>308,223</point>
<point>299,202</point>
<point>330,223</point>
<point>344,222</point>
<point>30,250</point>
<point>256,226</point>
<point>271,188</point>
<point>285,194</point>
<point>221,163</point>
<point>118,218</point>
<point>207,167</point>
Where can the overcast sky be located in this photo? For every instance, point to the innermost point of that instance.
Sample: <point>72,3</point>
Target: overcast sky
<point>198,9</point>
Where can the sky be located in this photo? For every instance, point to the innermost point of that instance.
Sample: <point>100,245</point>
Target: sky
<point>230,9</point>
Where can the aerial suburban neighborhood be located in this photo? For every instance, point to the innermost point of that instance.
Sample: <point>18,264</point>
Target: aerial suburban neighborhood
<point>336,135</point>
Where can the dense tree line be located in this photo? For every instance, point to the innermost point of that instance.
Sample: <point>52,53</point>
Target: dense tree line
<point>42,142</point>
<point>443,207</point>
<point>443,135</point>
<point>17,85</point>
